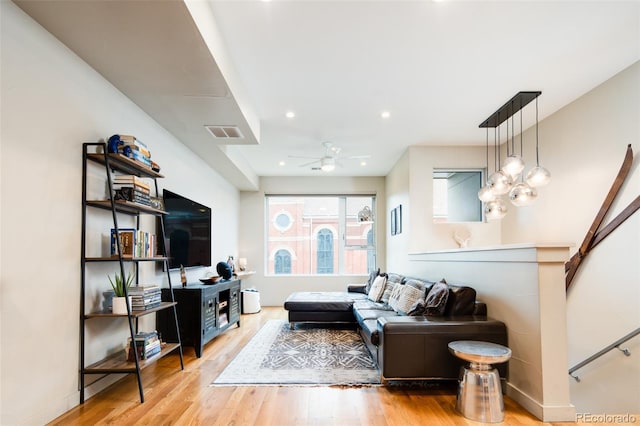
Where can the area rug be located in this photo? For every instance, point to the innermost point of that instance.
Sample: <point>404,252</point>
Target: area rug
<point>277,355</point>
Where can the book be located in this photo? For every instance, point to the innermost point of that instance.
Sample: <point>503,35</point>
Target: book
<point>127,242</point>
<point>131,179</point>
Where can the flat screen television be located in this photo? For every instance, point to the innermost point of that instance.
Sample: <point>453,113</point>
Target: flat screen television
<point>187,231</point>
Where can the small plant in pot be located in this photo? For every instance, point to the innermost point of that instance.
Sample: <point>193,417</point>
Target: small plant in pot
<point>119,300</point>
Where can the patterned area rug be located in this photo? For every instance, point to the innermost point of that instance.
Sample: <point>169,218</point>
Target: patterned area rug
<point>277,355</point>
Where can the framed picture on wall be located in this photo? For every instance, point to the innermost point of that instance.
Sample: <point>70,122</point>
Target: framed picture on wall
<point>399,219</point>
<point>393,221</point>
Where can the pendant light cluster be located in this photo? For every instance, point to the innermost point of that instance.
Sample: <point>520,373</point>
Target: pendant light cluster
<point>508,177</point>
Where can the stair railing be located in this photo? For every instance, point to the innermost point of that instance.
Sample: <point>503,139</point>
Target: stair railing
<point>614,345</point>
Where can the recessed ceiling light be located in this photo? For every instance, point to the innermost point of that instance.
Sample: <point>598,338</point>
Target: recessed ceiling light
<point>385,114</point>
<point>290,114</point>
<point>281,163</point>
<point>363,163</point>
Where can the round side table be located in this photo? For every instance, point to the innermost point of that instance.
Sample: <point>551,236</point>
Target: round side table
<point>479,392</point>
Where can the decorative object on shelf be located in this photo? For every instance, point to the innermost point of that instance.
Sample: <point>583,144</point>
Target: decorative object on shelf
<point>224,270</point>
<point>183,276</point>
<point>242,263</point>
<point>231,264</point>
<point>505,178</point>
<point>120,287</point>
<point>365,215</point>
<point>462,237</point>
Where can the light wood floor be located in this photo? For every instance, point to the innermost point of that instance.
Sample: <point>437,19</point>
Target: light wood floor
<point>174,396</point>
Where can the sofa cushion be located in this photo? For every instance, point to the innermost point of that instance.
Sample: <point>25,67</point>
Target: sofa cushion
<point>416,309</point>
<point>436,300</point>
<point>460,301</point>
<point>395,278</point>
<point>370,304</point>
<point>367,314</point>
<point>377,288</point>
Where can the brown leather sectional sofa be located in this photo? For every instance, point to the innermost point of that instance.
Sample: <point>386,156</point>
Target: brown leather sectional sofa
<point>405,347</point>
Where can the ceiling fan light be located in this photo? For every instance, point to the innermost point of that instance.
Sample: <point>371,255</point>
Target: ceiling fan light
<point>327,164</point>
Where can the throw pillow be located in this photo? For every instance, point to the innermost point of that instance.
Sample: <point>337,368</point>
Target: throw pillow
<point>372,276</point>
<point>394,278</point>
<point>395,297</point>
<point>377,288</point>
<point>388,289</point>
<point>436,300</point>
<point>416,309</point>
<point>408,297</point>
<point>461,301</point>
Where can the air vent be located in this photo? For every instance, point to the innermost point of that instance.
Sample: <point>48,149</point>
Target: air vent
<point>225,132</point>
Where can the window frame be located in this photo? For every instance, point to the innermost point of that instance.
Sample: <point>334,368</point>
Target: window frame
<point>339,236</point>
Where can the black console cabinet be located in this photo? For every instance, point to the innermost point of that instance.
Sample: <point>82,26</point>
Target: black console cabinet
<point>204,311</point>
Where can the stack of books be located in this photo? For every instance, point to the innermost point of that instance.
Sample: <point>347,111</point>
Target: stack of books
<point>135,149</point>
<point>132,188</point>
<point>145,297</point>
<point>146,343</point>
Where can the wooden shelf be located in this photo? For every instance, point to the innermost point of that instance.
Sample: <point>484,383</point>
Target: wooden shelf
<point>134,314</point>
<point>125,165</point>
<point>126,259</point>
<point>126,207</point>
<point>116,362</point>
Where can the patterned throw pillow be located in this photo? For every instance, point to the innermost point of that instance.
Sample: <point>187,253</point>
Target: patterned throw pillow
<point>377,288</point>
<point>409,296</point>
<point>436,300</point>
<point>388,289</point>
<point>394,299</point>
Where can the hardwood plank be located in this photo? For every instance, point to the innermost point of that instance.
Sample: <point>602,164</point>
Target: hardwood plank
<point>185,397</point>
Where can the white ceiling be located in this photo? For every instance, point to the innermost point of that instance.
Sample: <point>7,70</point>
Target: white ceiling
<point>439,68</point>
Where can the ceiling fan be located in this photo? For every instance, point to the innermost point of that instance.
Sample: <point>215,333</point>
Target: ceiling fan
<point>330,159</point>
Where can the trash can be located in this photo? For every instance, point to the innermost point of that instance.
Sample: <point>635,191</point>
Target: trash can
<point>250,301</point>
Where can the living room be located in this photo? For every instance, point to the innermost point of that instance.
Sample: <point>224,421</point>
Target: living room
<point>53,101</point>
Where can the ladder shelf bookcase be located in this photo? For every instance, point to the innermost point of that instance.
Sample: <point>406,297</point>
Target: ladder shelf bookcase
<point>116,363</point>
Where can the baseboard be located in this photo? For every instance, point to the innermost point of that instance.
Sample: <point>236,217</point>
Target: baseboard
<point>546,413</point>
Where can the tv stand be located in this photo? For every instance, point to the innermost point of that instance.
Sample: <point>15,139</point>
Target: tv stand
<point>204,311</point>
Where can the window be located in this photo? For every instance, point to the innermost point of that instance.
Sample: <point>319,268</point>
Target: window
<point>455,196</point>
<point>282,261</point>
<point>324,232</point>
<point>325,252</point>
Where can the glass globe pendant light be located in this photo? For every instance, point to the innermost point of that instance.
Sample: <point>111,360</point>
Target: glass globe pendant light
<point>495,210</point>
<point>522,194</point>
<point>513,164</point>
<point>500,182</point>
<point>538,176</point>
<point>485,194</point>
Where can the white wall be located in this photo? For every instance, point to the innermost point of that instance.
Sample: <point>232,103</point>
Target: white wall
<point>51,103</point>
<point>410,183</point>
<point>583,146</point>
<point>275,289</point>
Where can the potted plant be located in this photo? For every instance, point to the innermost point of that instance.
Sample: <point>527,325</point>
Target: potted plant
<point>119,284</point>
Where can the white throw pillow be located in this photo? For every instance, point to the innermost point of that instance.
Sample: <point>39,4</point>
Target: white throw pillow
<point>377,288</point>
